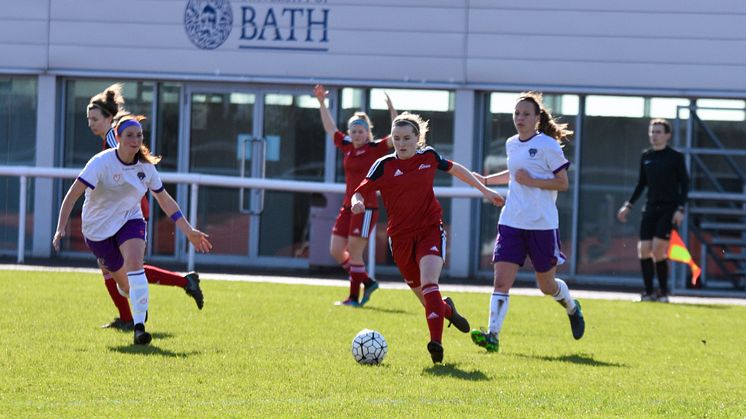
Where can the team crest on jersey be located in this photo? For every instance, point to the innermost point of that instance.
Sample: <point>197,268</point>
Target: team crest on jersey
<point>117,177</point>
<point>208,22</point>
<point>532,152</point>
<point>141,176</point>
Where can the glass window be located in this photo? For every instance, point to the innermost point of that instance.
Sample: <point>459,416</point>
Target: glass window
<point>497,129</point>
<point>17,147</point>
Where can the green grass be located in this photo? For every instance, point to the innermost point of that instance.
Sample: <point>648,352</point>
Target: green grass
<point>284,350</point>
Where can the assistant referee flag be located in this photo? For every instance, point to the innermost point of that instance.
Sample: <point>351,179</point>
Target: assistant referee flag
<point>678,252</point>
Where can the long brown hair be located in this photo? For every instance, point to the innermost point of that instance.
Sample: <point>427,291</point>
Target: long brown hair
<point>547,123</point>
<point>143,155</point>
<point>110,102</point>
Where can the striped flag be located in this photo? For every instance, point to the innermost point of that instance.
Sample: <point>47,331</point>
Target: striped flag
<point>677,252</point>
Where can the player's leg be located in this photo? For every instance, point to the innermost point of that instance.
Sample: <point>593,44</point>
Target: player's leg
<point>109,260</point>
<point>661,241</point>
<point>430,268</point>
<point>124,321</point>
<point>644,252</point>
<point>338,249</point>
<point>189,282</point>
<point>131,241</point>
<point>508,256</point>
<point>361,226</point>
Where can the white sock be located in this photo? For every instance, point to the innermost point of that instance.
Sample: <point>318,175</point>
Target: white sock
<point>563,296</point>
<point>498,310</point>
<point>138,295</point>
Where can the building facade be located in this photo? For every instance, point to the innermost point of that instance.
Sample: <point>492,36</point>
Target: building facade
<point>216,77</point>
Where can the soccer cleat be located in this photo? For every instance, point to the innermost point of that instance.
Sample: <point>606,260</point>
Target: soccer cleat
<point>348,302</point>
<point>577,322</point>
<point>486,340</point>
<point>662,298</point>
<point>647,297</point>
<point>141,336</point>
<point>193,290</point>
<point>119,324</point>
<point>456,319</point>
<point>368,291</point>
<point>436,351</point>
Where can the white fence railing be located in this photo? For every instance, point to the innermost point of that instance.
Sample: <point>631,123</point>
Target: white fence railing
<point>197,180</point>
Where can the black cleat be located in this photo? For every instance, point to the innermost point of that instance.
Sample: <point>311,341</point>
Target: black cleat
<point>193,290</point>
<point>119,324</point>
<point>436,351</point>
<point>456,319</point>
<point>577,322</point>
<point>141,336</point>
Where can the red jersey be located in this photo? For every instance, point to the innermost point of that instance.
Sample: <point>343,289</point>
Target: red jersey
<point>357,162</point>
<point>407,190</point>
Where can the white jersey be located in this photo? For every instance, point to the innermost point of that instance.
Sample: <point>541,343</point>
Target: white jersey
<point>114,193</point>
<point>530,208</point>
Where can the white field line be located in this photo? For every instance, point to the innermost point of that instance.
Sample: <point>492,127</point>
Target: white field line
<point>480,289</point>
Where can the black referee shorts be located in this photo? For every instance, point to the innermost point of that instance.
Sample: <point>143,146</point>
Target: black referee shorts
<point>657,221</point>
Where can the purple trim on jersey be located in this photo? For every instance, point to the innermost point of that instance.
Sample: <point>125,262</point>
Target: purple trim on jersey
<point>85,182</point>
<point>116,152</point>
<point>529,138</point>
<point>159,189</point>
<point>564,166</point>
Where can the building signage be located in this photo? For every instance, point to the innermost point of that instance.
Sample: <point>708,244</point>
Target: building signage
<point>292,25</point>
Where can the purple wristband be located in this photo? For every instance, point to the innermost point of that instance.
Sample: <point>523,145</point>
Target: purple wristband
<point>175,216</point>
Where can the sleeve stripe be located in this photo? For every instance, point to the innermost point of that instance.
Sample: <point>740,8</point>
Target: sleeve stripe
<point>111,139</point>
<point>159,189</point>
<point>564,166</point>
<point>86,183</point>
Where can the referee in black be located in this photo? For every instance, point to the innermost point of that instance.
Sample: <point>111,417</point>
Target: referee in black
<point>663,172</point>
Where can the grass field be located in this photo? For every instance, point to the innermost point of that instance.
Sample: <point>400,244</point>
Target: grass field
<point>284,350</point>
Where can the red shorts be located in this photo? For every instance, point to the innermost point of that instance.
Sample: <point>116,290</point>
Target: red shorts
<point>408,250</point>
<point>359,225</point>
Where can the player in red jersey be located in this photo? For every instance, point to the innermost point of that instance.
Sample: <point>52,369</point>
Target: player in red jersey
<point>351,231</point>
<point>416,236</point>
<point>101,112</point>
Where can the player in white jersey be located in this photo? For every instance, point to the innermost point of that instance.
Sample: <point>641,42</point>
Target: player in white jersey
<point>114,181</point>
<point>529,223</point>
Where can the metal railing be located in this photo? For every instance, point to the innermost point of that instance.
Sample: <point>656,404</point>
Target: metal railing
<point>197,180</point>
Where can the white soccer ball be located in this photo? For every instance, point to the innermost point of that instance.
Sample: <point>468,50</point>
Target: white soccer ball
<point>369,347</point>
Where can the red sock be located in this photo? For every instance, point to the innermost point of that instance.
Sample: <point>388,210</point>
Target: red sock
<point>163,277</point>
<point>434,311</point>
<point>119,301</point>
<point>357,277</point>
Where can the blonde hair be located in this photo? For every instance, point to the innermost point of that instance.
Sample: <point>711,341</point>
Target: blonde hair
<point>418,125</point>
<point>547,123</point>
<point>361,116</point>
<point>143,155</point>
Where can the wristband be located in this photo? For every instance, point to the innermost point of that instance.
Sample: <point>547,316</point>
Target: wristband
<point>175,216</point>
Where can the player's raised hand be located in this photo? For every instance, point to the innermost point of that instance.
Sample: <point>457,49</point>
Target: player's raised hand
<point>320,92</point>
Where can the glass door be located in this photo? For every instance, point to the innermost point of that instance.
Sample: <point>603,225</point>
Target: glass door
<point>220,130</point>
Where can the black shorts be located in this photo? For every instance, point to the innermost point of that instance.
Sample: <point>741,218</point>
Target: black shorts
<point>657,221</point>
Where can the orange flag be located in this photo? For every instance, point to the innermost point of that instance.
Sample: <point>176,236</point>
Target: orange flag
<point>677,252</point>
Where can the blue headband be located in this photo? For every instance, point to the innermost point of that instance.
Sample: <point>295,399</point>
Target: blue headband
<point>358,122</point>
<point>128,123</point>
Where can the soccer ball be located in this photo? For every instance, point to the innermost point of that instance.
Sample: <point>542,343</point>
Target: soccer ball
<point>369,347</point>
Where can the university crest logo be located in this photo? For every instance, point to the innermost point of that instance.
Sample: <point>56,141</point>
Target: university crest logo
<point>208,22</point>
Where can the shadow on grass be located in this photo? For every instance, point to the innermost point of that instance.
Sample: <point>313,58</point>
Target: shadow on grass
<point>452,370</point>
<point>581,359</point>
<point>150,350</point>
<point>385,310</point>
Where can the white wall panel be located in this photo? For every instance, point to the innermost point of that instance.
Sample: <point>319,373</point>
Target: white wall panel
<point>23,56</point>
<point>24,9</point>
<point>667,6</point>
<point>34,32</point>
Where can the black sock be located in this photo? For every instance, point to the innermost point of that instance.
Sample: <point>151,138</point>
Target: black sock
<point>648,272</point>
<point>661,267</point>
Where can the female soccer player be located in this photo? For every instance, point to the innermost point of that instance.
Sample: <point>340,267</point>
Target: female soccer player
<point>101,112</point>
<point>529,223</point>
<point>416,236</point>
<point>114,182</point>
<point>351,231</point>
<point>663,172</point>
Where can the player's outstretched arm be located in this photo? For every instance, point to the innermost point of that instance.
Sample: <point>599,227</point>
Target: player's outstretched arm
<point>326,117</point>
<point>72,196</point>
<point>559,182</point>
<point>468,177</point>
<point>170,207</point>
